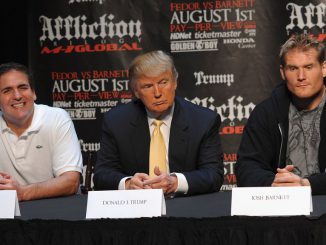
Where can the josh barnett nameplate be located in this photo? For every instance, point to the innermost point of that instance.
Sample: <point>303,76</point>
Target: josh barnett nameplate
<point>125,204</point>
<point>271,201</point>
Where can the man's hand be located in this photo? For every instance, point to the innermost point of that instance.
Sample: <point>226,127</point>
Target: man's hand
<point>168,183</point>
<point>285,177</point>
<point>7,182</point>
<point>63,185</point>
<point>137,182</point>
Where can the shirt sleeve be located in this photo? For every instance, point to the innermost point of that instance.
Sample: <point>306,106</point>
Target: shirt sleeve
<point>182,183</point>
<point>122,183</point>
<point>66,148</point>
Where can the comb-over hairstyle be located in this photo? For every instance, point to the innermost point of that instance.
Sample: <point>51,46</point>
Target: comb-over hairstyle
<point>151,64</point>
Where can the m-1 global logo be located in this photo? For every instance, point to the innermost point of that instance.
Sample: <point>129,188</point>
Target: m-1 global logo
<point>308,18</point>
<point>76,34</point>
<point>210,25</point>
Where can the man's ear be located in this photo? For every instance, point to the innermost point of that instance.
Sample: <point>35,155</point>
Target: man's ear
<point>136,94</point>
<point>34,96</point>
<point>324,68</point>
<point>175,84</point>
<point>134,89</point>
<point>282,72</point>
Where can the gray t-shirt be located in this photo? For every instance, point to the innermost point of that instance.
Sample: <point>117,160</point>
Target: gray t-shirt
<point>303,140</point>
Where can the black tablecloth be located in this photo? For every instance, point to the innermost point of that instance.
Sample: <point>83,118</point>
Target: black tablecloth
<point>74,207</point>
<point>174,231</point>
<point>194,220</point>
<point>202,206</point>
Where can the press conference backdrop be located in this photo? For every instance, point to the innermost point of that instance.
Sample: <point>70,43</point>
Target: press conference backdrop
<point>226,52</point>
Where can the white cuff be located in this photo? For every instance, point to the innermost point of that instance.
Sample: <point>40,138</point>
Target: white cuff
<point>182,183</point>
<point>122,183</point>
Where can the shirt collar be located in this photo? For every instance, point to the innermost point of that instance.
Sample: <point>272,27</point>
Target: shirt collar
<point>166,118</point>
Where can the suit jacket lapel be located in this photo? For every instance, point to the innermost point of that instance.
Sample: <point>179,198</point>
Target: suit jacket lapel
<point>141,139</point>
<point>178,143</point>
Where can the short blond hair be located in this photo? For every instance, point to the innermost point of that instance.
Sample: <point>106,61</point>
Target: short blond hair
<point>152,63</point>
<point>302,42</point>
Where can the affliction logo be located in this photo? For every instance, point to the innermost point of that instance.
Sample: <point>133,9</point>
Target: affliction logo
<point>309,18</point>
<point>233,109</point>
<point>75,34</point>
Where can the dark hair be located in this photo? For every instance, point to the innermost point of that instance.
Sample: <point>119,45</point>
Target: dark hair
<point>6,67</point>
<point>302,42</point>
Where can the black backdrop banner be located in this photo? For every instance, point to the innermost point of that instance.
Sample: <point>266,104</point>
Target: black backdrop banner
<point>226,53</point>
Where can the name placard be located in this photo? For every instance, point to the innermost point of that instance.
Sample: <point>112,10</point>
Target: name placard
<point>9,204</point>
<point>125,204</point>
<point>271,201</point>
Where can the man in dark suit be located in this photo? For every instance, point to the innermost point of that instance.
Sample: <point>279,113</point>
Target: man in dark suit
<point>194,159</point>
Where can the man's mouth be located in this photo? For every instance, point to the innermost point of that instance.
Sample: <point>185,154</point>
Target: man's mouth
<point>159,103</point>
<point>302,84</point>
<point>20,105</point>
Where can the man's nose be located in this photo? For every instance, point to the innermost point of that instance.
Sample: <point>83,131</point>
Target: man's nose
<point>157,91</point>
<point>17,94</point>
<point>302,74</point>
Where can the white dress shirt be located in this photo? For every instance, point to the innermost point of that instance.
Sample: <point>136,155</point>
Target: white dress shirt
<point>165,130</point>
